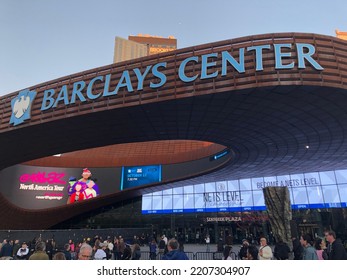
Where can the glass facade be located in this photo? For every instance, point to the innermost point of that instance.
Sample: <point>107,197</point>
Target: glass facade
<point>307,191</point>
<point>192,211</point>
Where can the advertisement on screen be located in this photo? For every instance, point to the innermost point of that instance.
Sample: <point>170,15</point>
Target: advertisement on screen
<point>37,187</point>
<point>307,191</point>
<point>134,176</point>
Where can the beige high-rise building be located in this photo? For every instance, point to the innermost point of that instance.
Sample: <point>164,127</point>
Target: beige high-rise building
<point>141,45</point>
<point>125,50</point>
<point>341,34</point>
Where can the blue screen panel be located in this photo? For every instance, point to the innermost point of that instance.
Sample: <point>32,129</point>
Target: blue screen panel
<point>307,191</point>
<point>135,176</point>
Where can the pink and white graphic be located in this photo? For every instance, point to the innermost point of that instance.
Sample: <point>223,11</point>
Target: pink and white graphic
<point>41,178</point>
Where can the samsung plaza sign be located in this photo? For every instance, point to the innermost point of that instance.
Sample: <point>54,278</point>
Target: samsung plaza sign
<point>82,91</point>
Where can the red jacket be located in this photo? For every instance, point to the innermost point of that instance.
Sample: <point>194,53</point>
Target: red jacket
<point>73,197</point>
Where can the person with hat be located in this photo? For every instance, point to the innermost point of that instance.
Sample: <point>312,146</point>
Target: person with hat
<point>100,253</point>
<point>91,189</point>
<point>71,183</point>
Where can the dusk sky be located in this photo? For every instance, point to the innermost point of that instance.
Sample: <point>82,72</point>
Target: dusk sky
<point>43,40</point>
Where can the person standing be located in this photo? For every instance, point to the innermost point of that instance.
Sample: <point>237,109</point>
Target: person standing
<point>121,247</point>
<point>59,256</point>
<point>320,247</point>
<point>298,250</point>
<point>173,252</point>
<point>207,240</point>
<point>229,240</point>
<point>243,250</point>
<point>135,252</point>
<point>23,252</point>
<point>309,251</point>
<point>227,253</point>
<point>100,253</point>
<point>85,252</point>
<point>327,243</point>
<point>40,252</point>
<point>110,247</point>
<point>252,252</point>
<point>116,248</point>
<point>153,250</point>
<point>165,239</point>
<point>220,245</point>
<point>6,249</point>
<point>265,252</point>
<point>281,250</point>
<point>127,253</point>
<point>338,251</point>
<point>161,246</point>
<point>67,252</point>
<point>16,247</point>
<point>72,249</point>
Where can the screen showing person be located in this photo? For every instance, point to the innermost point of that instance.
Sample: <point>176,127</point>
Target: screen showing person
<point>91,188</point>
<point>77,192</point>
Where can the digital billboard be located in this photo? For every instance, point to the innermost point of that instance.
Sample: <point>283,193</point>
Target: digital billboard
<point>134,176</point>
<point>37,187</point>
<point>307,190</point>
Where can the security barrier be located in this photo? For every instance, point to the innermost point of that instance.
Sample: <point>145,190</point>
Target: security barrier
<point>193,256</point>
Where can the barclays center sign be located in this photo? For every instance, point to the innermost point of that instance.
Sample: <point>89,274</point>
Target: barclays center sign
<point>83,91</point>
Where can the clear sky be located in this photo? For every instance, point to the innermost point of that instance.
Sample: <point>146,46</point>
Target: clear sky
<point>43,40</point>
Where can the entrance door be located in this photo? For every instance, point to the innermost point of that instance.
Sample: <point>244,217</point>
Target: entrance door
<point>226,233</point>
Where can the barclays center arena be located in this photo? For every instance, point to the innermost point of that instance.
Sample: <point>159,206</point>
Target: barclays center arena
<point>183,142</point>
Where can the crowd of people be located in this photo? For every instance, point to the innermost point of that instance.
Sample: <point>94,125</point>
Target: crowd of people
<point>90,249</point>
<point>38,249</point>
<point>97,248</point>
<point>303,248</point>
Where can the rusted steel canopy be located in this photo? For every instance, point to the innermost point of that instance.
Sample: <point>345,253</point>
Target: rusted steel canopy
<point>275,121</point>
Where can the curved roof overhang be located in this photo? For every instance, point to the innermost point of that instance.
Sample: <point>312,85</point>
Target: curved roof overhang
<point>275,120</point>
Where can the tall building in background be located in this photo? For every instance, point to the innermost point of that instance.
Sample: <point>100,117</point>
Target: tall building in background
<point>125,50</point>
<point>141,45</point>
<point>341,34</point>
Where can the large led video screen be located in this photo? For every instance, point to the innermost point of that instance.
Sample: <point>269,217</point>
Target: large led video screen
<point>307,190</point>
<point>135,176</point>
<point>36,187</point>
